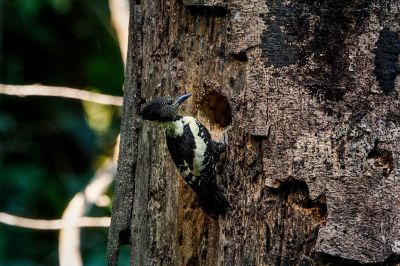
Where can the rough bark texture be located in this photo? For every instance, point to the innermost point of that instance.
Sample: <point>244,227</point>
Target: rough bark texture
<point>120,229</point>
<point>306,93</point>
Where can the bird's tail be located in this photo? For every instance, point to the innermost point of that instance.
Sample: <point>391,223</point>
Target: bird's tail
<point>212,199</point>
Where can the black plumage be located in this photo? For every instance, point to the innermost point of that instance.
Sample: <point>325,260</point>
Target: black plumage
<point>180,155</point>
<point>192,150</point>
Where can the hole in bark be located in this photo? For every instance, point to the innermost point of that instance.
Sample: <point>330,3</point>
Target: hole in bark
<point>242,56</point>
<point>125,236</point>
<point>217,109</point>
<point>382,158</point>
<point>386,57</point>
<point>326,259</point>
<point>296,191</point>
<point>196,9</point>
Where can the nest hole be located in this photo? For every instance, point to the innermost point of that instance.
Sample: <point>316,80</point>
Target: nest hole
<point>216,108</point>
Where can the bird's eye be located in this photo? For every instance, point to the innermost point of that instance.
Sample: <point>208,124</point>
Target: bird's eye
<point>170,102</point>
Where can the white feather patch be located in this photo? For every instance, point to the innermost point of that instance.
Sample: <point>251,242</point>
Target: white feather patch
<point>200,150</point>
<point>175,129</point>
<point>187,171</point>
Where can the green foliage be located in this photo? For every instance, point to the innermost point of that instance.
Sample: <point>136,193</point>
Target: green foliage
<point>50,147</point>
<point>46,42</point>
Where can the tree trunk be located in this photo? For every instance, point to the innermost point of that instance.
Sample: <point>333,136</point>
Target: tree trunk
<point>306,94</point>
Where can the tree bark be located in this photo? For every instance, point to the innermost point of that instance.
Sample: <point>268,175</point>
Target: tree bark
<point>121,216</point>
<point>306,94</point>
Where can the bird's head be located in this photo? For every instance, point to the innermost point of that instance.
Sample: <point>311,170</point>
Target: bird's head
<point>163,109</point>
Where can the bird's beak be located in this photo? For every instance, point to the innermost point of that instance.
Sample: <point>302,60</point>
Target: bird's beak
<point>182,98</point>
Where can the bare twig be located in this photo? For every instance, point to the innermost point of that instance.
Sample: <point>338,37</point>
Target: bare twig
<point>69,240</point>
<point>41,90</point>
<point>13,220</point>
<point>119,10</point>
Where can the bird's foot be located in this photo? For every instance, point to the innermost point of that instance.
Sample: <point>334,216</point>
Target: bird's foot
<point>220,149</point>
<point>219,146</point>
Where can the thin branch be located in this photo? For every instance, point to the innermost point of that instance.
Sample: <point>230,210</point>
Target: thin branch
<point>13,220</point>
<point>69,239</point>
<point>119,10</point>
<point>41,90</point>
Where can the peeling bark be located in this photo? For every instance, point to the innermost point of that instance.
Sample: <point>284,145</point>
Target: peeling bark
<point>306,93</point>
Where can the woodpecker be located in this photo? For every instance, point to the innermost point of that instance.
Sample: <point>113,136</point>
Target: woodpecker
<point>193,151</point>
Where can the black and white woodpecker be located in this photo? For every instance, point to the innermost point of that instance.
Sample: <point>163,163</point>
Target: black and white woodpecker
<point>192,150</point>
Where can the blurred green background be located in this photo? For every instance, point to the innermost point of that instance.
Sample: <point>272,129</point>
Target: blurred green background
<point>50,147</point>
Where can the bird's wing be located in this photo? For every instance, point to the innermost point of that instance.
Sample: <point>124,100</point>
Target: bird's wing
<point>210,155</point>
<point>181,150</point>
